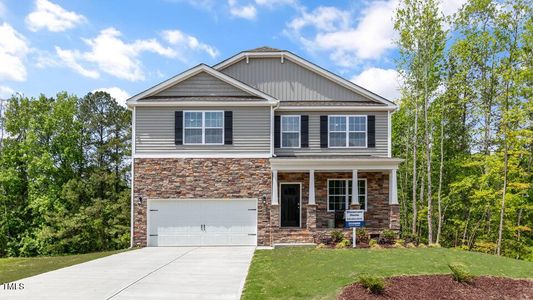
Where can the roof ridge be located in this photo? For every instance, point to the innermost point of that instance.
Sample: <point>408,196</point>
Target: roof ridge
<point>264,49</point>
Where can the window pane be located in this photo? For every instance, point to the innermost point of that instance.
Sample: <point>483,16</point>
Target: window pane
<point>337,195</point>
<point>290,139</point>
<point>357,124</point>
<point>357,139</point>
<point>193,119</point>
<point>213,136</point>
<point>337,139</point>
<point>362,193</point>
<point>193,136</point>
<point>337,124</point>
<point>213,119</point>
<point>290,123</point>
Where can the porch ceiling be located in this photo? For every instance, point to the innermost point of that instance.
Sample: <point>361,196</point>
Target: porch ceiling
<point>334,163</point>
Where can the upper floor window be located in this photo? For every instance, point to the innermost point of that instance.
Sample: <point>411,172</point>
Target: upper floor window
<point>347,131</point>
<point>290,131</point>
<point>203,127</point>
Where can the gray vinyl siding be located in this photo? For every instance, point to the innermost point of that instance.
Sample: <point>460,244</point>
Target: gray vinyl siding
<point>381,148</point>
<point>288,81</point>
<point>154,131</point>
<point>202,84</point>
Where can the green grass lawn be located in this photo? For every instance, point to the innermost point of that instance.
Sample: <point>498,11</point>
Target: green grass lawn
<point>14,268</point>
<point>308,273</point>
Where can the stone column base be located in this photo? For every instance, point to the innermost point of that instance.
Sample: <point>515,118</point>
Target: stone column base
<point>311,217</point>
<point>394,217</point>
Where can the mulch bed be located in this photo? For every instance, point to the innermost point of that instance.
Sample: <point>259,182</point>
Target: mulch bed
<point>444,287</point>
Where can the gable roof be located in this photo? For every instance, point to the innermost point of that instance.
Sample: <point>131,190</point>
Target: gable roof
<point>308,65</point>
<point>192,72</point>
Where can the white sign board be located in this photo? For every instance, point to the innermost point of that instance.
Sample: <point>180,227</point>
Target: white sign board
<point>354,215</point>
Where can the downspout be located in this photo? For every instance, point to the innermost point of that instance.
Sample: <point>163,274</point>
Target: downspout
<point>272,154</point>
<point>132,172</point>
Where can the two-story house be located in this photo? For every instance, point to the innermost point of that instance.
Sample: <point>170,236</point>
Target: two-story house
<point>263,148</point>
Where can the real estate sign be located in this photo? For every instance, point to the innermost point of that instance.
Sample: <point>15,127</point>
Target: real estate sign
<point>354,218</point>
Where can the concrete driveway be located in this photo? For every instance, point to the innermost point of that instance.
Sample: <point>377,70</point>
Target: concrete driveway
<point>147,273</point>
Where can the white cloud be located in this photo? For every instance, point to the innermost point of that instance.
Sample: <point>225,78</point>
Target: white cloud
<point>384,82</point>
<point>449,7</point>
<point>334,32</point>
<point>13,50</point>
<point>52,17</point>
<point>184,42</point>
<point>248,11</point>
<point>119,94</point>
<point>275,3</point>
<point>6,92</point>
<point>70,57</point>
<point>110,54</point>
<point>2,9</point>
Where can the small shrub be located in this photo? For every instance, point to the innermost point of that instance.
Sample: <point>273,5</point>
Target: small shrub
<point>374,244</point>
<point>321,246</point>
<point>409,238</point>
<point>398,245</point>
<point>373,284</point>
<point>400,241</point>
<point>337,236</point>
<point>460,273</point>
<point>387,237</point>
<point>362,235</point>
<point>422,245</point>
<point>343,244</point>
<point>410,245</point>
<point>434,245</point>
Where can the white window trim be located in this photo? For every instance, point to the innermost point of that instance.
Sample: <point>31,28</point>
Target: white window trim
<point>347,132</point>
<point>299,131</point>
<point>203,126</point>
<point>348,194</point>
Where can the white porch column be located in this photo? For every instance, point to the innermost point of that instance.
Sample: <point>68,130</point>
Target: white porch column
<point>355,190</point>
<point>393,193</point>
<point>274,187</point>
<point>312,187</point>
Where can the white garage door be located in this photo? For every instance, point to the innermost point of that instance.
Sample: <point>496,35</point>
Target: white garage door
<point>202,222</point>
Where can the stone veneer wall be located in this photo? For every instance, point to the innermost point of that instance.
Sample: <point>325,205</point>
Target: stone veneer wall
<point>201,178</point>
<point>377,215</point>
<point>380,215</point>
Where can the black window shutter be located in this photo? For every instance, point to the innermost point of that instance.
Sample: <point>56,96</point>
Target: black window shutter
<point>323,131</point>
<point>371,127</point>
<point>178,127</point>
<point>228,127</point>
<point>304,131</point>
<point>277,127</point>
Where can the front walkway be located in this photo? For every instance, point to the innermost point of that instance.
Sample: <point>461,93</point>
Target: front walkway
<point>147,273</point>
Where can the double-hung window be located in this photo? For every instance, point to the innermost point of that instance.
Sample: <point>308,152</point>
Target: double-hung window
<point>340,194</point>
<point>203,127</point>
<point>347,132</point>
<point>290,131</point>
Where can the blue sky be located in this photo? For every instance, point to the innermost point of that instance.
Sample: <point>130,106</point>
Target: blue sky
<point>124,47</point>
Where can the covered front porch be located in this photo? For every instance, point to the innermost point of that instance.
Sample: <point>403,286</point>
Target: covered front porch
<point>310,195</point>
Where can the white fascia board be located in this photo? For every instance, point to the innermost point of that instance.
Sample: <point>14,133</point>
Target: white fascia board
<point>202,155</point>
<point>202,103</point>
<point>310,66</point>
<point>193,71</point>
<point>337,108</point>
<point>331,165</point>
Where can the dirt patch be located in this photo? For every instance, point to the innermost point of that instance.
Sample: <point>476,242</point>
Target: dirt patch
<point>444,287</point>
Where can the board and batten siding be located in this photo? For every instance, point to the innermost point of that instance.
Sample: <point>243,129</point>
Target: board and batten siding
<point>381,148</point>
<point>154,131</point>
<point>288,81</point>
<point>202,84</point>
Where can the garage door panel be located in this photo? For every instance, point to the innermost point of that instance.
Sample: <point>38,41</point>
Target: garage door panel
<point>178,222</point>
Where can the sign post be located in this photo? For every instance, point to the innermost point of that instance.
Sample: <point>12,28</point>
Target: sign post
<point>354,218</point>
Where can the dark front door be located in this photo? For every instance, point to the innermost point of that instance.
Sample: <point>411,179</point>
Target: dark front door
<point>290,205</point>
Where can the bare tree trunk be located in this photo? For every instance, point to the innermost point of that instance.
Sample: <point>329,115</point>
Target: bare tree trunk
<point>466,227</point>
<point>439,199</point>
<point>502,208</point>
<point>415,141</point>
<point>428,166</point>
